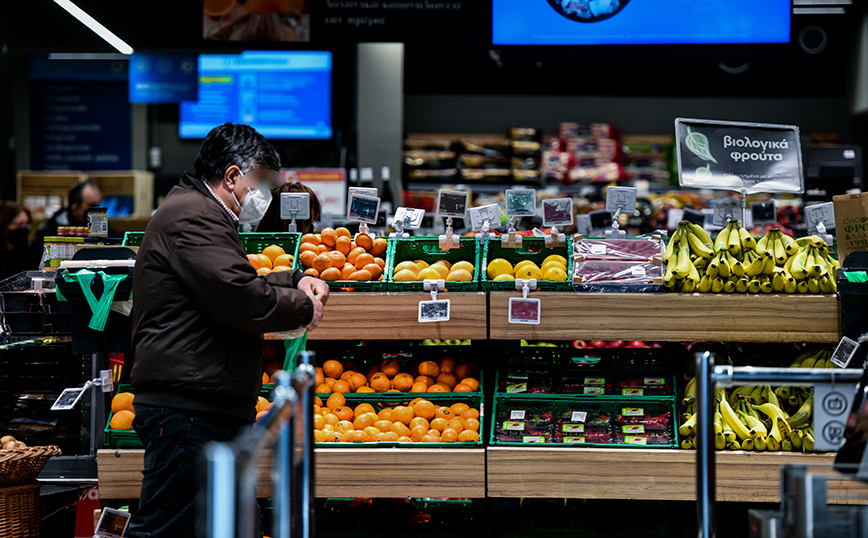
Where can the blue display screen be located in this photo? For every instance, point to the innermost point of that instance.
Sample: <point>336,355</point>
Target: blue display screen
<point>280,94</point>
<point>640,22</point>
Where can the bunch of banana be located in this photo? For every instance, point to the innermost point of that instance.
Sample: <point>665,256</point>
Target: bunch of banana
<point>688,252</point>
<point>813,268</point>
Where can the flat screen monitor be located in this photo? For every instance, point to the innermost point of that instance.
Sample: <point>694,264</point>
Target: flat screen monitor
<point>640,22</point>
<point>281,94</point>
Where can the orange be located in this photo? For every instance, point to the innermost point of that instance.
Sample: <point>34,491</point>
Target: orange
<point>414,401</point>
<point>263,271</point>
<point>332,368</point>
<point>380,382</point>
<point>361,275</point>
<point>322,262</point>
<point>279,268</point>
<point>468,436</point>
<point>455,424</point>
<point>424,379</point>
<point>447,365</point>
<point>356,381</point>
<point>404,275</point>
<point>438,424</point>
<point>444,412</point>
<point>323,249</point>
<point>343,232</point>
<point>355,253</point>
<point>308,247</point>
<point>449,436</point>
<point>330,419</point>
<point>122,420</point>
<point>283,259</point>
<point>378,248</point>
<point>372,432</point>
<point>338,259</point>
<point>329,237</point>
<point>255,261</point>
<point>419,387</point>
<point>424,409</point>
<point>344,426</point>
<point>429,273</point>
<point>459,408</point>
<point>435,433</point>
<point>447,379</point>
<point>365,241</point>
<point>380,261</point>
<point>343,413</point>
<point>347,271</point>
<point>273,251</point>
<point>330,381</point>
<point>404,439</point>
<point>341,387</point>
<point>459,275</point>
<point>318,239</point>
<point>317,401</point>
<point>463,370</point>
<point>393,390</point>
<point>309,238</point>
<point>319,436</point>
<point>265,379</point>
<point>306,258</point>
<point>440,269</point>
<point>363,422</point>
<point>383,425</point>
<point>324,388</point>
<point>428,438</point>
<point>385,414</point>
<point>444,263</point>
<point>471,424</point>
<point>343,245</point>
<point>390,366</point>
<point>389,437</point>
<point>439,387</point>
<point>403,415</point>
<point>419,421</point>
<point>363,260</point>
<point>365,389</point>
<point>470,413</point>
<point>260,403</point>
<point>470,382</point>
<point>375,270</point>
<point>373,369</point>
<point>216,8</point>
<point>347,373</point>
<point>430,369</point>
<point>123,401</point>
<point>400,429</point>
<point>461,387</point>
<point>358,437</point>
<point>363,408</point>
<point>318,422</point>
<point>403,382</point>
<point>330,275</point>
<point>418,433</point>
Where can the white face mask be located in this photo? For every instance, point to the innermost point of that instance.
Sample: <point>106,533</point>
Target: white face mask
<point>255,204</point>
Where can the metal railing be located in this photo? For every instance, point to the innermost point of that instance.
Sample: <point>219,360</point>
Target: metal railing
<point>707,376</point>
<point>231,510</point>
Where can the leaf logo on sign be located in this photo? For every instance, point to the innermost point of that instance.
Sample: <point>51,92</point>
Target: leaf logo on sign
<point>697,143</point>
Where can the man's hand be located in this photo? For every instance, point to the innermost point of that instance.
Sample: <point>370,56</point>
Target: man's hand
<point>314,288</point>
<point>317,312</point>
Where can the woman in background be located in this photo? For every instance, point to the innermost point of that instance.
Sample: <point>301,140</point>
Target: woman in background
<point>18,253</point>
<point>272,222</point>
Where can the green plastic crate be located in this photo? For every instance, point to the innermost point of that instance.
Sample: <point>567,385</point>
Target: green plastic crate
<point>120,438</point>
<point>253,243</point>
<point>133,239</point>
<point>428,250</point>
<point>533,249</point>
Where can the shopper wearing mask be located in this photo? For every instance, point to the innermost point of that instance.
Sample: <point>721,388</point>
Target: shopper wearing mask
<point>198,315</point>
<point>17,253</point>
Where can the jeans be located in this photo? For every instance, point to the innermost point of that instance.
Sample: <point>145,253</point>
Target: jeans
<point>173,478</point>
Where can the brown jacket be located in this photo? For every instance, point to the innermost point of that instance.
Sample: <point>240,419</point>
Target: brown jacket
<point>199,309</point>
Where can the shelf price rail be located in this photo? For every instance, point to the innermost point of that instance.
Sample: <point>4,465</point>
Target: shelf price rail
<point>707,376</point>
<point>231,466</point>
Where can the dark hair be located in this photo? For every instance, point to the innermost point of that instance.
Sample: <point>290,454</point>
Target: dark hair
<point>233,144</point>
<point>76,193</point>
<point>271,221</point>
<point>8,211</point>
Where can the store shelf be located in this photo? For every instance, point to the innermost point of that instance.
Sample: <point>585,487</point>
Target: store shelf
<point>394,316</point>
<point>340,472</point>
<point>672,317</point>
<point>647,474</point>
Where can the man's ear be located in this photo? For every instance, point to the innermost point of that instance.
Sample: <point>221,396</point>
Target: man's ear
<point>231,177</point>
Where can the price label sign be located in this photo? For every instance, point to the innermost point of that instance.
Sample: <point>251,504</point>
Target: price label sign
<point>434,311</point>
<point>410,217</point>
<point>67,399</point>
<point>725,213</point>
<point>294,205</point>
<point>623,198</point>
<point>452,203</point>
<point>557,212</point>
<point>844,352</point>
<point>742,157</point>
<point>479,215</point>
<point>524,311</point>
<point>763,212</point>
<point>815,214</point>
<point>367,191</point>
<point>520,202</point>
<point>363,208</point>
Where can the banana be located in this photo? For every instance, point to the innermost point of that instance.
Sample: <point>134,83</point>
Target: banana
<point>760,444</point>
<point>690,388</point>
<point>670,246</point>
<point>687,444</point>
<point>813,286</point>
<point>757,428</point>
<point>732,420</point>
<point>733,240</point>
<point>747,240</point>
<point>765,284</point>
<point>717,285</point>
<point>773,413</point>
<point>728,435</point>
<point>772,398</point>
<point>723,268</point>
<point>799,266</point>
<point>711,268</point>
<point>718,421</point>
<point>762,245</point>
<point>734,445</point>
<point>778,282</point>
<point>719,441</point>
<point>812,264</point>
<point>790,245</point>
<point>787,445</point>
<point>769,264</point>
<point>689,286</point>
<point>747,444</point>
<point>790,285</point>
<point>802,287</point>
<point>826,285</point>
<point>803,415</point>
<point>779,250</point>
<point>756,395</point>
<point>808,442</point>
<point>729,286</point>
<point>796,438</point>
<point>742,284</point>
<point>687,428</point>
<point>682,267</point>
<point>700,232</point>
<point>704,285</point>
<point>753,286</point>
<point>756,264</point>
<point>785,429</point>
<point>735,267</point>
<point>698,247</point>
<point>722,241</point>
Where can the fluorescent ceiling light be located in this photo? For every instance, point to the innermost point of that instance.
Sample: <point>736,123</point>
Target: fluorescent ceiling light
<point>94,25</point>
<point>87,56</point>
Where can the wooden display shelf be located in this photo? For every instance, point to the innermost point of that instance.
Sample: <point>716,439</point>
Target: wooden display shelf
<point>672,317</point>
<point>394,316</point>
<point>648,474</point>
<point>340,472</point>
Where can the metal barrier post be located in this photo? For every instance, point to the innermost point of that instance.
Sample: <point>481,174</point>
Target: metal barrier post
<point>306,507</point>
<point>281,472</point>
<point>220,493</point>
<point>705,479</point>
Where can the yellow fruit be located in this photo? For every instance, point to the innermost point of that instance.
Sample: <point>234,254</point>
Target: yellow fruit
<point>459,275</point>
<point>554,257</point>
<point>529,271</point>
<point>410,266</point>
<point>404,275</point>
<point>548,265</point>
<point>498,266</point>
<point>444,263</point>
<point>429,273</point>
<point>440,268</point>
<point>504,277</point>
<point>422,264</point>
<point>467,266</point>
<point>520,265</point>
<point>555,273</point>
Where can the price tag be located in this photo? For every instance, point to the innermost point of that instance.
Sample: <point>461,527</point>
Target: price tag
<point>524,311</point>
<point>633,428</point>
<point>367,191</point>
<point>573,428</point>
<point>363,208</point>
<point>452,203</point>
<point>557,212</point>
<point>533,439</point>
<point>520,202</point>
<point>513,426</point>
<point>595,380</point>
<point>574,439</point>
<point>763,212</point>
<point>294,205</point>
<point>844,352</point>
<point>578,416</point>
<point>594,390</point>
<point>655,381</point>
<point>478,216</point>
<point>632,392</point>
<point>598,248</point>
<point>514,389</point>
<point>410,217</point>
<point>434,311</point>
<point>633,412</point>
<point>815,214</point>
<point>516,414</point>
<point>725,213</point>
<point>637,270</point>
<point>630,440</point>
<point>67,399</point>
<point>623,198</point>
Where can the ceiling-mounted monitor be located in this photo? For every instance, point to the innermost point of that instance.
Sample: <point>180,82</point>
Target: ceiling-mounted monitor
<point>282,94</point>
<point>640,22</point>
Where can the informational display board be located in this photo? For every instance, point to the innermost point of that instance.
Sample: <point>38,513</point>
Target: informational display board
<point>163,78</point>
<point>329,185</point>
<point>744,157</point>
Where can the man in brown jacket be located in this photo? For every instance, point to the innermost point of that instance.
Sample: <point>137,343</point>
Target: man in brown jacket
<point>199,312</point>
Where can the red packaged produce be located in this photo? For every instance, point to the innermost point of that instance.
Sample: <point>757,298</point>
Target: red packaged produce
<point>643,386</point>
<point>656,438</point>
<point>599,437</point>
<point>634,420</point>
